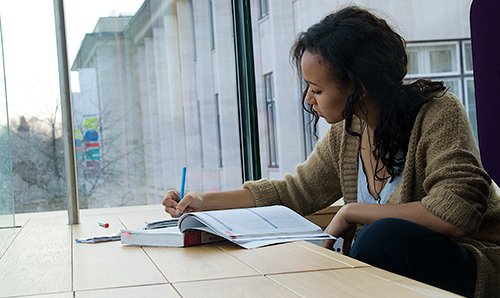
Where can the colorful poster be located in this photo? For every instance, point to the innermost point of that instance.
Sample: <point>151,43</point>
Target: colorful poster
<point>86,110</point>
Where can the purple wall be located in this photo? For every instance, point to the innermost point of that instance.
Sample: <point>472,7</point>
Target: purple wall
<point>485,36</point>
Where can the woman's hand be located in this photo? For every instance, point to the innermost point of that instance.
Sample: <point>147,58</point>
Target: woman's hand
<point>341,227</point>
<point>175,207</point>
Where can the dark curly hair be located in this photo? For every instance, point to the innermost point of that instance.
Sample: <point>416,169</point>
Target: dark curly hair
<point>363,51</point>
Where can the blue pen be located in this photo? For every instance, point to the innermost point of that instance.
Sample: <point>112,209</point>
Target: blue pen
<point>183,182</point>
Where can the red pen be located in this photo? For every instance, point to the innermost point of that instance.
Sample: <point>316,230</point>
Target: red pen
<point>103,224</point>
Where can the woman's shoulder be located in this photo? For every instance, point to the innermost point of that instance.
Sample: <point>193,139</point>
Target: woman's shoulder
<point>443,122</point>
<point>444,102</point>
<point>442,108</point>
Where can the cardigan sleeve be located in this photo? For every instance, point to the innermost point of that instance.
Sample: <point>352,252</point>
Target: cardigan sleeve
<point>456,185</point>
<point>314,186</point>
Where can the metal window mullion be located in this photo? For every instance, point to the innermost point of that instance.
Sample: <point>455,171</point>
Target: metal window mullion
<point>67,114</point>
<point>247,103</point>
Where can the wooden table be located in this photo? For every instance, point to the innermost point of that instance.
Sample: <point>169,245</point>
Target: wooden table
<point>41,257</point>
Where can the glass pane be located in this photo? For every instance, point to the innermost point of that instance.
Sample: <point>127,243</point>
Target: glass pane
<point>432,41</point>
<point>264,8</point>
<point>431,58</point>
<point>454,86</point>
<point>6,198</point>
<point>153,91</point>
<point>413,62</point>
<point>471,104</point>
<point>32,81</point>
<point>467,56</point>
<point>441,61</point>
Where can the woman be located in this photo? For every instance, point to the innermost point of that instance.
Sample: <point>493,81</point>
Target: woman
<point>403,158</point>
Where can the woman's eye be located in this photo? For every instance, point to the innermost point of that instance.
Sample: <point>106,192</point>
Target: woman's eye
<point>315,92</point>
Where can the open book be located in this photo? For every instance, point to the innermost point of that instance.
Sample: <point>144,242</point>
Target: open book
<point>248,227</point>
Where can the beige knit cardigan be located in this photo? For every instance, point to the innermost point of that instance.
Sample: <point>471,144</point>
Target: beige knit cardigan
<point>442,170</point>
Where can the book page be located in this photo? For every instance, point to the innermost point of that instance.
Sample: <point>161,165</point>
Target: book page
<point>260,223</point>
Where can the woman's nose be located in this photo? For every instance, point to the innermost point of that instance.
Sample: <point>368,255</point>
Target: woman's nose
<point>310,97</point>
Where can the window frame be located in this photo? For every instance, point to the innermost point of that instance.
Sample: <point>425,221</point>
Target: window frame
<point>464,57</point>
<point>457,60</point>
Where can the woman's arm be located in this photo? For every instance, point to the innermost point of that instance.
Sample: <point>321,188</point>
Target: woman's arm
<point>241,198</point>
<point>364,213</point>
<point>448,164</point>
<point>344,223</point>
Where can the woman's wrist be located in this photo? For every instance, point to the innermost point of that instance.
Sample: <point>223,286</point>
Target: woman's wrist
<point>241,198</point>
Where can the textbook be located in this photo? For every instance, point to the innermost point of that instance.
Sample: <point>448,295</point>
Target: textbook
<point>168,237</point>
<point>247,227</point>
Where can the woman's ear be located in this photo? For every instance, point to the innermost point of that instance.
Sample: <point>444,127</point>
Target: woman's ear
<point>364,91</point>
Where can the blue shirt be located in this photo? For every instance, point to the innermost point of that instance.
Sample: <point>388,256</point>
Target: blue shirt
<point>364,196</point>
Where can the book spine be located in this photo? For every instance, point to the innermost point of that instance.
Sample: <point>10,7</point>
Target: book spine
<point>199,237</point>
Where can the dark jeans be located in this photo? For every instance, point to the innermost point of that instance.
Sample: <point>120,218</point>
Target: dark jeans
<point>414,251</point>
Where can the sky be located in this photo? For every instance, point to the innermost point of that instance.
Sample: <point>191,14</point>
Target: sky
<point>30,53</point>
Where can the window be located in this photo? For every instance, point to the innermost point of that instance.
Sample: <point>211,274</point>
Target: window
<point>212,25</point>
<point>431,59</point>
<point>147,77</point>
<point>34,109</point>
<point>6,197</point>
<point>467,56</point>
<point>144,74</point>
<point>271,120</point>
<point>454,86</point>
<point>447,61</point>
<point>264,8</point>
<point>436,50</point>
<point>219,131</point>
<point>200,135</point>
<point>309,139</point>
<point>470,102</point>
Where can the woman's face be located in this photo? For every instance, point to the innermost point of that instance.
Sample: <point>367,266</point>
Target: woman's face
<point>324,94</point>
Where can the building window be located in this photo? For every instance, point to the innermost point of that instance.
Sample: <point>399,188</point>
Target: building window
<point>454,85</point>
<point>433,59</point>
<point>310,140</point>
<point>200,134</point>
<point>470,102</point>
<point>219,135</point>
<point>271,120</point>
<point>467,56</point>
<point>264,8</point>
<point>447,61</point>
<point>212,26</point>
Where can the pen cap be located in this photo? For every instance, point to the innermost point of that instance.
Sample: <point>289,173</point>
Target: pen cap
<point>103,224</point>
